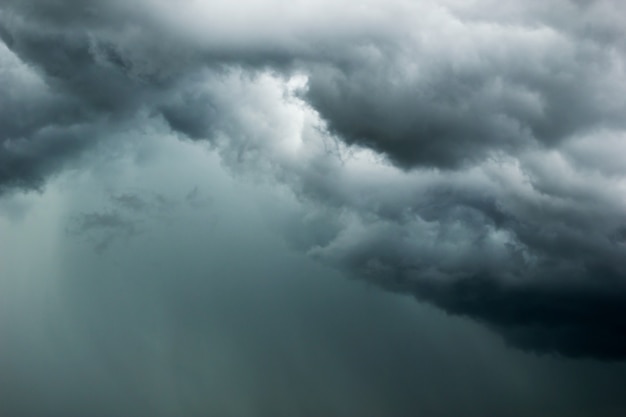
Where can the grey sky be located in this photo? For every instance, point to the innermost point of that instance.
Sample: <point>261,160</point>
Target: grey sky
<point>419,158</point>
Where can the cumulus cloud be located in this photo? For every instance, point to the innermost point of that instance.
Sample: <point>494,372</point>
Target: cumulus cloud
<point>453,91</point>
<point>463,153</point>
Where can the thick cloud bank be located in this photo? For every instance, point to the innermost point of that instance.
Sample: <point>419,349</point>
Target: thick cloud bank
<point>470,154</point>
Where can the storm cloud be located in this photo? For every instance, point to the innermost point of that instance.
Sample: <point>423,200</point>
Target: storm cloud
<point>467,155</point>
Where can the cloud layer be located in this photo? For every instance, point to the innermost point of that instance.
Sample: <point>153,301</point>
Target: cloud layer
<point>466,154</point>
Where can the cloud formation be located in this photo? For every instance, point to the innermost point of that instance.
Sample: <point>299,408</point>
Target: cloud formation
<point>465,154</point>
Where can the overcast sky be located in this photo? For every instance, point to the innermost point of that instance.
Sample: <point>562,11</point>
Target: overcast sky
<point>312,208</point>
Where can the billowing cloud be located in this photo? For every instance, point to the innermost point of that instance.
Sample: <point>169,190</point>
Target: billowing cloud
<point>455,89</point>
<point>465,154</point>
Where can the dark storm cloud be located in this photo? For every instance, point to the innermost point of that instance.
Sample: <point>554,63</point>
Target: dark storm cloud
<point>96,66</point>
<point>500,118</point>
<point>536,259</point>
<point>571,320</point>
<point>74,75</point>
<point>452,89</point>
<point>455,91</point>
<point>39,127</point>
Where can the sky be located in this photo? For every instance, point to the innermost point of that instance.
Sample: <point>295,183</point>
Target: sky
<point>307,208</point>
